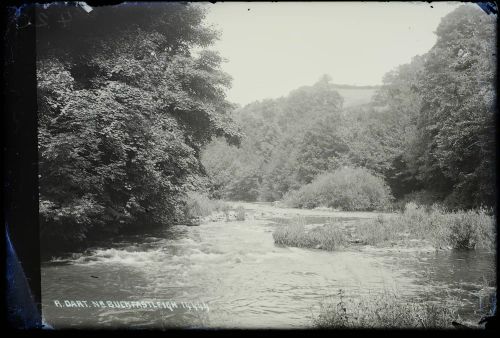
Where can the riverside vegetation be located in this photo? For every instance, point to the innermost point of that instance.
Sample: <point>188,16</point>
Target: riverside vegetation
<point>199,206</point>
<point>132,124</point>
<point>135,131</point>
<point>422,144</point>
<point>385,311</point>
<point>327,237</point>
<point>471,229</point>
<point>390,309</point>
<point>125,108</point>
<point>462,230</point>
<point>425,135</point>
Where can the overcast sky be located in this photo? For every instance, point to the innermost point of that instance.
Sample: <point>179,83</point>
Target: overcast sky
<point>273,48</point>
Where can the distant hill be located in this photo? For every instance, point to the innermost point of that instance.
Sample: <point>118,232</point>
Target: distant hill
<point>355,95</point>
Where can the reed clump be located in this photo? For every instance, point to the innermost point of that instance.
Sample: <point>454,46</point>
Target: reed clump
<point>385,311</point>
<point>327,237</point>
<point>466,230</point>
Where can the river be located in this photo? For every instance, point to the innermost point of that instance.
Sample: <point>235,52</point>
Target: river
<point>238,278</point>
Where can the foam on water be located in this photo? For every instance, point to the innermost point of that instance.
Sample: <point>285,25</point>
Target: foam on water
<point>246,280</point>
<point>121,256</point>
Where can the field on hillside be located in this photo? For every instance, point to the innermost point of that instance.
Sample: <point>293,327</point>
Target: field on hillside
<point>354,96</point>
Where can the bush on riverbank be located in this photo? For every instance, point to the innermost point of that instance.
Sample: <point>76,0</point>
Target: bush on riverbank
<point>327,237</point>
<point>470,229</point>
<point>199,205</point>
<point>384,311</point>
<point>240,213</point>
<point>351,189</point>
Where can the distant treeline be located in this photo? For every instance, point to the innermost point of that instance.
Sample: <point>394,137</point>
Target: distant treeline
<point>346,86</point>
<point>125,108</point>
<point>428,132</point>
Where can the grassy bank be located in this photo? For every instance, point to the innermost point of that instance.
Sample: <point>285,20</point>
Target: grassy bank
<point>388,310</point>
<point>198,206</point>
<point>472,229</point>
<point>327,237</point>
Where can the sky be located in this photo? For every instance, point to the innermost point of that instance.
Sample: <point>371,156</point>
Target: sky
<point>273,48</point>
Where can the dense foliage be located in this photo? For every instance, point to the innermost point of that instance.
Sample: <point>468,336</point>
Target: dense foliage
<point>133,117</point>
<point>345,188</point>
<point>453,151</point>
<point>125,107</point>
<point>277,152</point>
<point>428,131</point>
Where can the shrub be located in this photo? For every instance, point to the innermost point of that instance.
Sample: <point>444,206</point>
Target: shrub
<point>306,197</point>
<point>346,189</point>
<point>380,230</point>
<point>384,311</point>
<point>327,237</point>
<point>220,206</point>
<point>199,205</point>
<point>471,229</point>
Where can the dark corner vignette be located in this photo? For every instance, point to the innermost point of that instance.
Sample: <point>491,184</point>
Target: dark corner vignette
<point>20,188</point>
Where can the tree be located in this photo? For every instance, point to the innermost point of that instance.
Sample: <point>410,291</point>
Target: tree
<point>124,110</point>
<point>381,135</point>
<point>321,149</point>
<point>278,134</point>
<point>454,148</point>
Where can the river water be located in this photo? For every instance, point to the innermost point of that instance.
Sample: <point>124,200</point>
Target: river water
<point>230,274</point>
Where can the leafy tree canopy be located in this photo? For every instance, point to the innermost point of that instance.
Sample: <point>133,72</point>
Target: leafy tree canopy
<point>125,106</point>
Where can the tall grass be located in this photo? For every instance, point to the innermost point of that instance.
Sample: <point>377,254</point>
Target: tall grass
<point>388,310</point>
<point>327,237</point>
<point>471,229</point>
<point>240,213</point>
<point>199,205</point>
<point>381,231</point>
<point>346,188</point>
